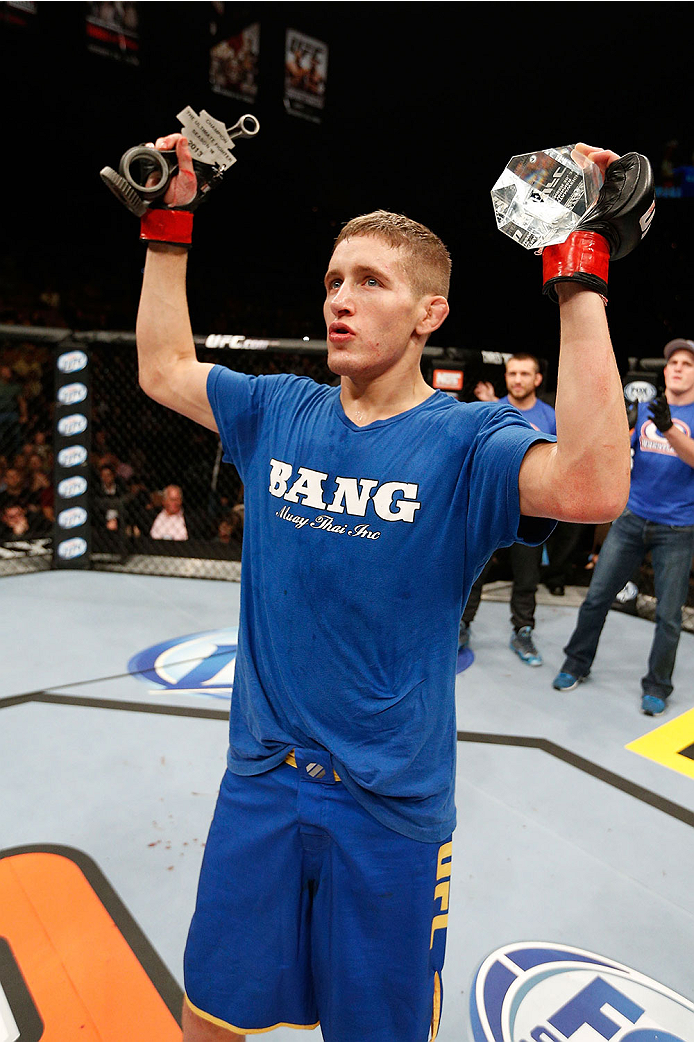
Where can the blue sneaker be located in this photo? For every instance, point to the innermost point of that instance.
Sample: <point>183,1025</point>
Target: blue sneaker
<point>651,705</point>
<point>566,681</point>
<point>522,644</point>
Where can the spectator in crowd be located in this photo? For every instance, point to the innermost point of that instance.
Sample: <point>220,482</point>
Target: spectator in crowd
<point>36,472</point>
<point>13,412</point>
<point>14,490</point>
<point>40,489</point>
<point>225,531</point>
<point>111,490</point>
<point>39,446</point>
<point>146,505</point>
<point>523,378</point>
<point>14,524</point>
<point>140,508</point>
<point>659,517</point>
<point>108,510</point>
<point>230,532</point>
<point>28,368</point>
<point>170,522</point>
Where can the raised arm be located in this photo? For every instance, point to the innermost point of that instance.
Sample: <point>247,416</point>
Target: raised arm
<point>169,371</point>
<point>585,476</point>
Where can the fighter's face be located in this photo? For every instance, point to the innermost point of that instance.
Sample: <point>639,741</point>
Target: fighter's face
<point>370,308</point>
<point>522,379</point>
<point>679,373</point>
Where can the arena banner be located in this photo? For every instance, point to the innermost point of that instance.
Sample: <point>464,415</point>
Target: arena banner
<point>113,30</point>
<point>448,380</point>
<point>305,75</point>
<point>71,446</point>
<point>17,14</point>
<point>234,61</point>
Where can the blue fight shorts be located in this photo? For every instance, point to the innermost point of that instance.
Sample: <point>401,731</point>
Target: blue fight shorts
<point>310,911</point>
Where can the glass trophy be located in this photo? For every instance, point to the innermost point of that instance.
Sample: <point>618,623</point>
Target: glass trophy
<point>541,196</point>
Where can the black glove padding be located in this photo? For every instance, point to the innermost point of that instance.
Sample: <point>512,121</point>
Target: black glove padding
<point>659,412</point>
<point>625,206</point>
<point>612,228</point>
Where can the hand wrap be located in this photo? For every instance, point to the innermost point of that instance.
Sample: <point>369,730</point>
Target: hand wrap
<point>174,227</point>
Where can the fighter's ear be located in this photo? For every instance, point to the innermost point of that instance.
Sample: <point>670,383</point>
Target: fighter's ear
<point>435,312</point>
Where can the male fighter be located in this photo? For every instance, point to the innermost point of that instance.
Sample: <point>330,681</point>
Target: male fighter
<point>370,508</point>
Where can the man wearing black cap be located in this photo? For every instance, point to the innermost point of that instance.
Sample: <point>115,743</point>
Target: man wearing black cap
<point>659,517</point>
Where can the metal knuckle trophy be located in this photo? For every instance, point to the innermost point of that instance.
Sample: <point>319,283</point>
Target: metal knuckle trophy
<point>145,173</point>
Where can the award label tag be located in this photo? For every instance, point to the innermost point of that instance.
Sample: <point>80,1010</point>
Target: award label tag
<point>208,138</point>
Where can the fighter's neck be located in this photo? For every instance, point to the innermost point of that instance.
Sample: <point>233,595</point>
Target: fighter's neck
<point>365,403</point>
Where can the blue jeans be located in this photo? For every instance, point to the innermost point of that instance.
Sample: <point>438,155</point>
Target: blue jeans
<point>625,547</point>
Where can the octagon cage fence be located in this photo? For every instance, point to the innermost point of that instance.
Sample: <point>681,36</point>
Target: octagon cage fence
<point>89,464</point>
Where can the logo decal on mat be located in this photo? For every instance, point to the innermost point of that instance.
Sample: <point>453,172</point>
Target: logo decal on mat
<point>538,991</point>
<point>73,962</point>
<point>198,664</point>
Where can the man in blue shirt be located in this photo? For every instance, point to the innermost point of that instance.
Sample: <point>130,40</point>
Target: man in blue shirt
<point>523,378</point>
<point>370,508</point>
<point>659,517</point>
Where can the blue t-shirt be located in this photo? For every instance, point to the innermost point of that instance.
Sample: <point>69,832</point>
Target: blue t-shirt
<point>662,485</point>
<point>541,416</point>
<point>360,547</point>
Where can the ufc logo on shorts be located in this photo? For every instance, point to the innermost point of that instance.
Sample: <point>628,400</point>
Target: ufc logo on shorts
<point>443,889</point>
<point>391,500</point>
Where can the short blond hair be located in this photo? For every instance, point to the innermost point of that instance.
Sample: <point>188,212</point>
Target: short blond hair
<point>428,263</point>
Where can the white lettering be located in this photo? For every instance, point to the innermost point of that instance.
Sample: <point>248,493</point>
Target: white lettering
<point>404,509</point>
<point>364,532</point>
<point>346,493</point>
<point>326,524</point>
<point>280,474</point>
<point>392,501</point>
<point>295,519</point>
<point>240,343</point>
<point>309,485</point>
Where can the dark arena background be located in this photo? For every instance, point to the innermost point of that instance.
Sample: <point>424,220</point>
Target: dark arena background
<point>409,117</point>
<point>413,108</point>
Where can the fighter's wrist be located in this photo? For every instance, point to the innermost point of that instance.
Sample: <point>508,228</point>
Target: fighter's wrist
<point>167,247</point>
<point>172,227</point>
<point>567,290</point>
<point>583,260</point>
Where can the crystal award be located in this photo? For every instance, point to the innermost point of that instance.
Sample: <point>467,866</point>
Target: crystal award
<point>541,196</point>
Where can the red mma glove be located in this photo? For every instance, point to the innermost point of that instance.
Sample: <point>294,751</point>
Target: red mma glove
<point>610,230</point>
<point>173,222</point>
